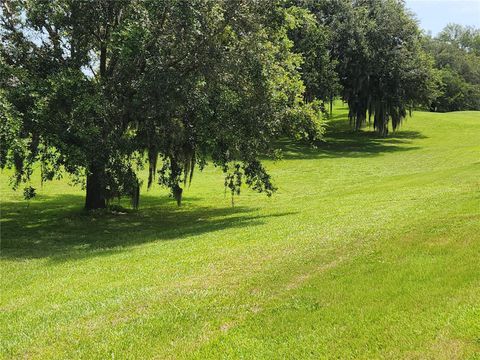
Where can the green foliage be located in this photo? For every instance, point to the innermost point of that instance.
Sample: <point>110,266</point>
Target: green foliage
<point>228,108</point>
<point>313,40</point>
<point>98,89</point>
<point>383,69</point>
<point>9,131</point>
<point>29,193</point>
<point>456,51</point>
<point>95,87</point>
<point>466,38</point>
<point>456,94</point>
<point>367,51</point>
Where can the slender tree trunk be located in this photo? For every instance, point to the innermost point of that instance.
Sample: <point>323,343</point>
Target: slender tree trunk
<point>95,198</point>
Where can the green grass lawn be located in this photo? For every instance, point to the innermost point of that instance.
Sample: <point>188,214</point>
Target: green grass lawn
<point>370,249</point>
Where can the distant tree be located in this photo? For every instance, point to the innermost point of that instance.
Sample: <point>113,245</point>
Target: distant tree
<point>382,67</point>
<point>464,37</point>
<point>455,93</point>
<point>374,47</point>
<point>91,88</point>
<point>456,51</point>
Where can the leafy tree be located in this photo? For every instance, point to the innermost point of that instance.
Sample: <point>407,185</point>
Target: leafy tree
<point>92,88</point>
<point>466,38</point>
<point>383,70</point>
<point>374,47</point>
<point>456,51</point>
<point>455,93</point>
<point>313,40</point>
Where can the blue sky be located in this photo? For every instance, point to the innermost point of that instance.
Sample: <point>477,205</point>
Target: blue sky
<point>435,14</point>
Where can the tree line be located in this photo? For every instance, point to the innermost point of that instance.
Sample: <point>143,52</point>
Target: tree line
<point>98,89</point>
<point>456,52</point>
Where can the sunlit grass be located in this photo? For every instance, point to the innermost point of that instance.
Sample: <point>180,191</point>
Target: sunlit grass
<point>370,248</point>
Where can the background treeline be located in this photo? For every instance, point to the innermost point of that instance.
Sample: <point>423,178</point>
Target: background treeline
<point>99,88</point>
<point>456,51</point>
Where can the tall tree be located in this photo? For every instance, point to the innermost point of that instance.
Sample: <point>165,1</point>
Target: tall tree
<point>382,68</point>
<point>93,87</point>
<point>456,51</point>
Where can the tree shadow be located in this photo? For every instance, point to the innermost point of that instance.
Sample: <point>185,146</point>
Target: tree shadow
<point>340,142</point>
<point>56,228</point>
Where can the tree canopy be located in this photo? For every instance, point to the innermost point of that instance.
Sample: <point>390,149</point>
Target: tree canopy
<point>456,51</point>
<point>382,68</point>
<point>100,88</point>
<point>94,87</point>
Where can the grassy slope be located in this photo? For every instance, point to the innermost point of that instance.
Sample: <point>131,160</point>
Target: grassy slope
<point>370,249</point>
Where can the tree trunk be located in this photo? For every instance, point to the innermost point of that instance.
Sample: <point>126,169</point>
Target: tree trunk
<point>95,198</point>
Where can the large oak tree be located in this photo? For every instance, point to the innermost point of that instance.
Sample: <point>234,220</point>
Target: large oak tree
<point>376,47</point>
<point>96,88</point>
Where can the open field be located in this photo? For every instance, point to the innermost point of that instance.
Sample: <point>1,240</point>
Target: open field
<point>370,249</point>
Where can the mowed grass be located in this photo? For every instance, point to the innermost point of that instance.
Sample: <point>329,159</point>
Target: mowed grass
<point>370,249</point>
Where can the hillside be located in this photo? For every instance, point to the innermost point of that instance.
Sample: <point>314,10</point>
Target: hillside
<point>369,249</point>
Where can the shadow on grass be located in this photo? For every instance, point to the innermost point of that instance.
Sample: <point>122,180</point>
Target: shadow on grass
<point>347,143</point>
<point>55,228</point>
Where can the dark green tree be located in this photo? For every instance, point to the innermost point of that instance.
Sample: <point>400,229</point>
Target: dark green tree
<point>383,71</point>
<point>93,88</point>
<point>456,51</point>
<point>313,40</point>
